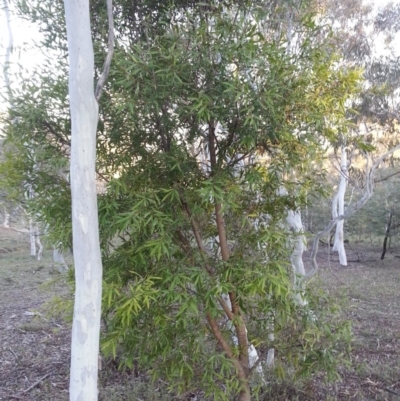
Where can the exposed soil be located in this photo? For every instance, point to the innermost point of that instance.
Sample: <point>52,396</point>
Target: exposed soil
<point>34,349</point>
<point>371,290</point>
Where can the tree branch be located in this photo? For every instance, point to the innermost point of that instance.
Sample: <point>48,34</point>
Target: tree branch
<point>387,177</point>
<point>238,322</point>
<point>349,211</point>
<point>107,63</point>
<point>223,343</point>
<point>36,383</point>
<point>56,134</point>
<point>203,250</point>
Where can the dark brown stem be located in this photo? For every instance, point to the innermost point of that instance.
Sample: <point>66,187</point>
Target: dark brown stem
<point>242,374</point>
<point>387,177</point>
<point>387,233</point>
<point>202,248</point>
<point>160,128</point>
<point>223,243</point>
<point>59,137</point>
<point>184,242</point>
<point>166,134</point>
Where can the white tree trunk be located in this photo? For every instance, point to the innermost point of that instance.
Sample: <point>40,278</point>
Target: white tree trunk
<point>32,237</point>
<point>338,210</point>
<point>293,220</point>
<point>39,245</point>
<point>87,257</point>
<point>253,354</point>
<point>6,222</point>
<point>295,225</point>
<point>59,261</point>
<point>271,352</point>
<point>350,210</point>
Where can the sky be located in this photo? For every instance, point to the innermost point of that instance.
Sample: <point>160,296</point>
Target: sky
<point>25,35</point>
<point>25,57</point>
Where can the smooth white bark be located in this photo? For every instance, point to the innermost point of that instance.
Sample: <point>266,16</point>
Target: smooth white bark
<point>338,209</point>
<point>293,220</point>
<point>87,257</point>
<point>32,237</point>
<point>297,243</point>
<point>40,246</point>
<point>59,261</point>
<point>253,354</point>
<point>271,352</point>
<point>366,196</point>
<point>6,222</point>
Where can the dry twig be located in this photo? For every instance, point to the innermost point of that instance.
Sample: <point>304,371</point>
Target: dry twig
<point>36,383</point>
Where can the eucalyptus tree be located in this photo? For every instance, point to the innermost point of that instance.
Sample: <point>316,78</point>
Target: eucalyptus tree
<point>6,66</point>
<point>36,248</point>
<point>85,232</point>
<point>195,259</point>
<point>364,36</point>
<point>338,207</point>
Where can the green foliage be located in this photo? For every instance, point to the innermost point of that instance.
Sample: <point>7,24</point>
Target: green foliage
<point>211,115</point>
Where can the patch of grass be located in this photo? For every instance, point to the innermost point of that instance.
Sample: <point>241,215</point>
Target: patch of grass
<point>33,326</point>
<point>138,390</point>
<point>8,280</point>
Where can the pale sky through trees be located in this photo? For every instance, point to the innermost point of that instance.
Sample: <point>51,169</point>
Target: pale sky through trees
<point>29,57</point>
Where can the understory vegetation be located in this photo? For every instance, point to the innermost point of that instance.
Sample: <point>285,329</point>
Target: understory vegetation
<point>37,343</point>
<point>222,132</point>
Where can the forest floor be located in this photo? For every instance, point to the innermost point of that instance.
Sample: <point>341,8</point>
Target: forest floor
<point>34,348</point>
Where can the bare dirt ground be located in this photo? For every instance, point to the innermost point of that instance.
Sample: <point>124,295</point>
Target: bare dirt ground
<point>371,291</point>
<point>34,349</point>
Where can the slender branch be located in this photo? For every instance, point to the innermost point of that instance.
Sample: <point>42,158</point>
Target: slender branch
<point>165,115</point>
<point>218,214</point>
<point>107,63</point>
<point>223,343</point>
<point>184,242</point>
<point>196,233</point>
<point>211,147</point>
<point>102,176</point>
<point>349,211</point>
<point>162,133</point>
<point>386,115</point>
<point>203,250</point>
<point>56,134</point>
<point>242,372</point>
<point>238,322</point>
<point>387,177</point>
<point>36,383</point>
<point>391,391</point>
